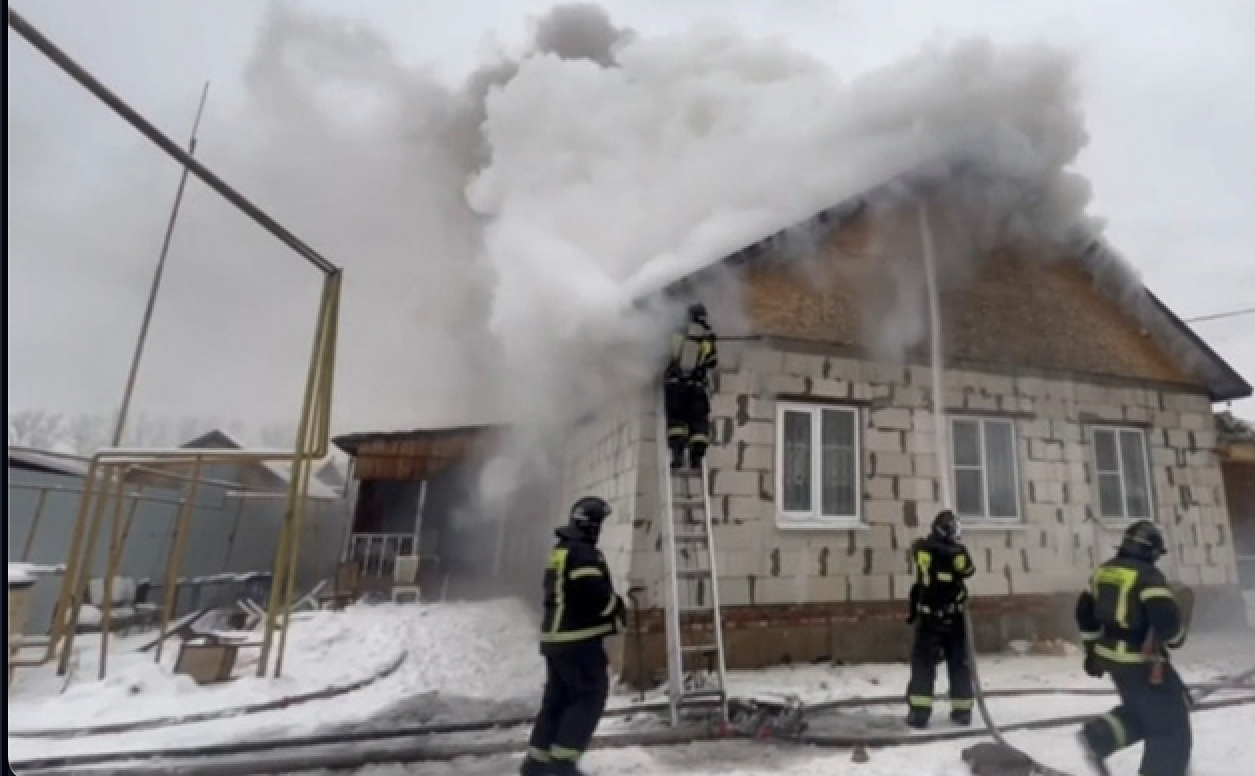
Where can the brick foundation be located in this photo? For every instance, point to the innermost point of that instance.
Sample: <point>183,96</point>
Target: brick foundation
<point>761,636</point>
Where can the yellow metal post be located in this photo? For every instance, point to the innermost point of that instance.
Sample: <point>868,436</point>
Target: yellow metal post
<point>30,535</point>
<point>315,427</point>
<point>312,412</point>
<point>61,608</point>
<point>111,571</point>
<point>83,576</point>
<point>175,563</point>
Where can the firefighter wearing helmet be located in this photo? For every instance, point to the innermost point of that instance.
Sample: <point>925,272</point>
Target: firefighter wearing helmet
<point>581,609</point>
<point>1129,618</point>
<point>686,388</point>
<point>942,568</point>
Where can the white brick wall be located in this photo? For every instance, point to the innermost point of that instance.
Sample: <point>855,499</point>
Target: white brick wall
<point>1057,534</point>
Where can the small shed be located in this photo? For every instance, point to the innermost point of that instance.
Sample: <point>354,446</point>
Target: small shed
<point>406,488</point>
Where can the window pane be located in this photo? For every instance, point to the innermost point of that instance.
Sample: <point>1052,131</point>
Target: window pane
<point>1110,502</point>
<point>795,474</point>
<point>968,497</point>
<point>1136,488</point>
<point>966,443</point>
<point>1105,450</point>
<point>1000,469</point>
<point>838,465</point>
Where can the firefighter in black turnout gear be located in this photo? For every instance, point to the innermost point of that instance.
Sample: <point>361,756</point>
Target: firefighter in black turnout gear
<point>581,608</point>
<point>686,388</point>
<point>1129,618</point>
<point>942,566</point>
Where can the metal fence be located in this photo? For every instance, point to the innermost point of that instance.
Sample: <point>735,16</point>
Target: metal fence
<point>230,533</point>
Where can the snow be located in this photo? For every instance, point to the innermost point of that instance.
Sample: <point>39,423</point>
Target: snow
<point>324,649</point>
<point>472,661</point>
<point>25,573</point>
<point>1222,747</point>
<point>463,661</point>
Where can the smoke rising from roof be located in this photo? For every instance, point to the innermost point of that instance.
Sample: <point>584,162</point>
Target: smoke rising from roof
<point>499,233</point>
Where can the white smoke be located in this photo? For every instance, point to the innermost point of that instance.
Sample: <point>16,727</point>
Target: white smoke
<point>607,183</point>
<point>498,234</point>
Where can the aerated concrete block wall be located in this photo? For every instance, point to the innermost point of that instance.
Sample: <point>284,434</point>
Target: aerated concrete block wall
<point>603,459</point>
<point>1051,549</point>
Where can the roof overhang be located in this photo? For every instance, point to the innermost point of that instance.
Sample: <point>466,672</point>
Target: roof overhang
<point>1195,356</point>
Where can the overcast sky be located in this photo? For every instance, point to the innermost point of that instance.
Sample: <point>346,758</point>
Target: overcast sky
<point>1169,102</point>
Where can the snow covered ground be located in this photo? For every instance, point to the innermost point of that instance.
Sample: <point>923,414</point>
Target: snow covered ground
<point>463,661</point>
<point>475,661</point>
<point>1222,747</point>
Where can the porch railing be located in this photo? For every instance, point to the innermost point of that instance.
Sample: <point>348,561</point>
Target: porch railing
<point>376,553</point>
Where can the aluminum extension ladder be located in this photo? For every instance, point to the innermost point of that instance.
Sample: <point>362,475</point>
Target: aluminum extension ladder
<point>692,586</point>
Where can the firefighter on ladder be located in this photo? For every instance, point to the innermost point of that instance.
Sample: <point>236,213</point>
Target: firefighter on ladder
<point>581,609</point>
<point>1129,618</point>
<point>942,567</point>
<point>686,388</point>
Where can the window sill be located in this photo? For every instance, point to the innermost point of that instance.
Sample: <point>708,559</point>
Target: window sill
<point>1117,524</point>
<point>797,525</point>
<point>991,526</point>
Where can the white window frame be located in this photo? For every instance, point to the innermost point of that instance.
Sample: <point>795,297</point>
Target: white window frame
<point>1116,430</point>
<point>952,460</point>
<point>812,518</point>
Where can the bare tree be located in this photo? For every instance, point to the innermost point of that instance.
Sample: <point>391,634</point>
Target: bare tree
<point>39,429</point>
<point>278,435</point>
<point>88,433</point>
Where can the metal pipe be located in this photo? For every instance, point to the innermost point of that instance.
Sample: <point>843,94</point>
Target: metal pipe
<point>83,575</point>
<point>317,427</point>
<point>157,274</point>
<point>30,535</point>
<point>111,569</point>
<point>144,127</point>
<point>60,609</point>
<point>175,560</point>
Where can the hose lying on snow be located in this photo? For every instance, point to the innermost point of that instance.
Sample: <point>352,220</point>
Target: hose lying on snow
<point>351,758</point>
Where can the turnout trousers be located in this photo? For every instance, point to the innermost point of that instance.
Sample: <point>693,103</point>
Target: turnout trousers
<point>1158,715</point>
<point>936,641</point>
<point>577,682</point>
<point>688,421</point>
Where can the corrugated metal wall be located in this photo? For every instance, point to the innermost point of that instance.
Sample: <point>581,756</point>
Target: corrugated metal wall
<point>226,534</point>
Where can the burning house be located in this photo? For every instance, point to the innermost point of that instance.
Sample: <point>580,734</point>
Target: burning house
<point>1073,405</point>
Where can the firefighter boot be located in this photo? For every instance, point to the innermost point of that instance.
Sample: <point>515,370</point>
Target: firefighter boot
<point>564,768</point>
<point>961,717</point>
<point>917,718</point>
<point>1095,760</point>
<point>677,454</point>
<point>533,767</point>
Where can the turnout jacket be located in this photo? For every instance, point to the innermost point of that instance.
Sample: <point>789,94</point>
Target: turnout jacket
<point>580,602</point>
<point>1128,600</point>
<point>941,571</point>
<point>694,354</point>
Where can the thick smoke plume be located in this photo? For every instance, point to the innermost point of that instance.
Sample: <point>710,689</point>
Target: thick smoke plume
<point>504,238</point>
<point>499,234</point>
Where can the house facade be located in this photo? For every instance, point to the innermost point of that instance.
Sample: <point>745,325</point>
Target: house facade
<point>1069,414</point>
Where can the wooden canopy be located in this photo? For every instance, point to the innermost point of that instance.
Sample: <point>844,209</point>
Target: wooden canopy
<point>414,455</point>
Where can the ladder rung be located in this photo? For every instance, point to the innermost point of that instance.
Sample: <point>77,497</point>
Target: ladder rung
<point>696,610</point>
<point>689,501</point>
<point>693,573</point>
<point>691,536</point>
<point>685,471</point>
<point>702,695</point>
<point>701,649</point>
